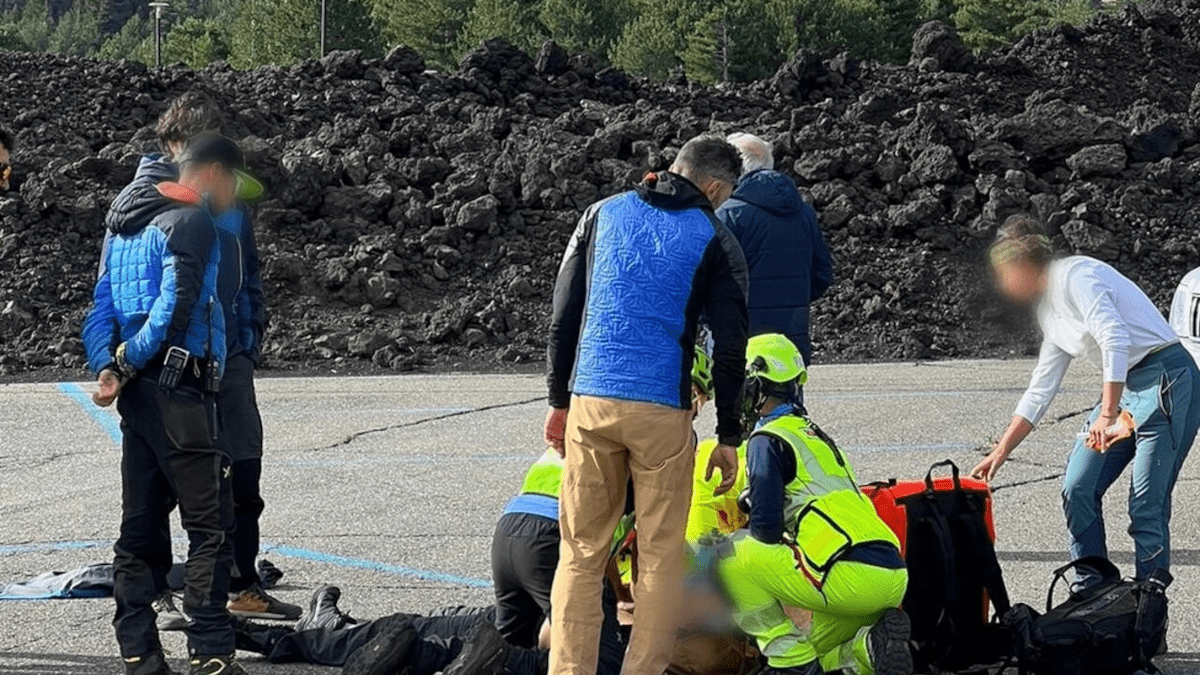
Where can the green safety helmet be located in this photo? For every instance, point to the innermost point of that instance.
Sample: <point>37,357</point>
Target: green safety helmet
<point>702,375</point>
<point>774,368</point>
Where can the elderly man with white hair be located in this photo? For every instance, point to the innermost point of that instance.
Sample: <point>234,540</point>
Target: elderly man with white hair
<point>788,260</point>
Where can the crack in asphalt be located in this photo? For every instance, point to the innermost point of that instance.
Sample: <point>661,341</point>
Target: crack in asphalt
<point>425,420</point>
<point>1031,481</point>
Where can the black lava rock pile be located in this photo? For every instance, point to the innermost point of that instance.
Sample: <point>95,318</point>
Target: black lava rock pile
<point>417,219</point>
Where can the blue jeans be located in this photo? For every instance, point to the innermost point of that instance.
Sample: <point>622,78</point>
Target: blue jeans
<point>1162,392</point>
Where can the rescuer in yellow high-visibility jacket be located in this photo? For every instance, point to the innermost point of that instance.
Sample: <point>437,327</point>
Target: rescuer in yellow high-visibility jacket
<point>814,541</point>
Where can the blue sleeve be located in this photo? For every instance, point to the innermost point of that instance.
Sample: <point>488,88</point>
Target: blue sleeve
<point>767,472</point>
<point>822,262</point>
<point>252,305</point>
<point>101,330</point>
<point>188,244</point>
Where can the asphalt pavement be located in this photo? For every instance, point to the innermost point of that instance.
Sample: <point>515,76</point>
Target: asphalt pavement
<point>389,487</point>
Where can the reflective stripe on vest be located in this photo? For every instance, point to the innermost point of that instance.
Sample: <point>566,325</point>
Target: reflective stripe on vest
<point>545,476</point>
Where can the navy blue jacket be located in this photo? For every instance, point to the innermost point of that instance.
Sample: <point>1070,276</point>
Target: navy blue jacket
<point>239,281</point>
<point>158,281</point>
<point>640,269</point>
<point>789,263</point>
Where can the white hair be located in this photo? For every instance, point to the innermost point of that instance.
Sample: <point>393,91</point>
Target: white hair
<point>756,153</point>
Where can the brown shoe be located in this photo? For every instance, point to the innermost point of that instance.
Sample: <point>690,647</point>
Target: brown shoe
<point>254,603</point>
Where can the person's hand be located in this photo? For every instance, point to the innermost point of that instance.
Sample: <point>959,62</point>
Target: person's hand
<point>110,386</point>
<point>1097,435</point>
<point>556,430</point>
<point>986,470</point>
<point>725,458</point>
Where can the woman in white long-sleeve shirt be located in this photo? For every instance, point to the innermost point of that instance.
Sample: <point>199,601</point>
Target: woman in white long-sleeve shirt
<point>1087,309</point>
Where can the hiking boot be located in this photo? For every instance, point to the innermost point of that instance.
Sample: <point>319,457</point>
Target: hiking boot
<point>216,665</point>
<point>484,653</point>
<point>385,654</point>
<point>323,611</point>
<point>810,668</point>
<point>154,663</point>
<point>887,644</point>
<point>254,603</point>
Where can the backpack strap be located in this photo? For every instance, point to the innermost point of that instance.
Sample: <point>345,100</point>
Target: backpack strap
<point>973,523</point>
<point>1093,563</point>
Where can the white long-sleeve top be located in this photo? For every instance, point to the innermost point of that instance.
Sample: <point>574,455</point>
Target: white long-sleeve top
<point>1090,311</point>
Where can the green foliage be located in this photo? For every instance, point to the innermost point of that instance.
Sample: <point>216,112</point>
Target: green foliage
<point>710,40</point>
<point>349,25</point>
<point>196,42</point>
<point>78,31</point>
<point>279,32</point>
<point>127,42</point>
<point>591,26</point>
<point>514,20</point>
<point>429,26</point>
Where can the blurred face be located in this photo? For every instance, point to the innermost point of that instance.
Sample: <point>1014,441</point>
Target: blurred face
<point>1019,281</point>
<point>5,168</point>
<point>215,182</point>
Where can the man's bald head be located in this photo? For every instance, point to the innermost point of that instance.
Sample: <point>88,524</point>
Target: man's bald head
<point>757,154</point>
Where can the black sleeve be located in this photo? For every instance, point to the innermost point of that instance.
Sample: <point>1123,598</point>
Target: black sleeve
<point>726,287</point>
<point>190,242</point>
<point>254,285</point>
<point>566,319</point>
<point>770,465</point>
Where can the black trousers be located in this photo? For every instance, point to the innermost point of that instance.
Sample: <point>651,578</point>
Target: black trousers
<point>524,558</point>
<point>441,641</point>
<point>242,438</point>
<point>169,458</point>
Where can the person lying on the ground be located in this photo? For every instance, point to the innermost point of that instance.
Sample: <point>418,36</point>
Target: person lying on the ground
<point>454,641</point>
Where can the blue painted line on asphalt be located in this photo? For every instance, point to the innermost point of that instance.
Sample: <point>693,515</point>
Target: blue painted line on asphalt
<point>926,447</point>
<point>107,421</point>
<point>408,459</point>
<point>46,547</point>
<point>375,566</point>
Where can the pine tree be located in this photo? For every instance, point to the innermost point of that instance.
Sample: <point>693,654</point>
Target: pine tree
<point>77,32</point>
<point>349,25</point>
<point>127,42</point>
<point>279,32</point>
<point>429,26</point>
<point>196,42</point>
<point>590,26</point>
<point>514,20</point>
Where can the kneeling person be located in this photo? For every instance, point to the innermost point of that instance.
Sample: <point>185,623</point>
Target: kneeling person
<point>814,541</point>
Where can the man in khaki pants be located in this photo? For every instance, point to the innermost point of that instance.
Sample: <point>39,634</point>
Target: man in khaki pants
<point>638,273</point>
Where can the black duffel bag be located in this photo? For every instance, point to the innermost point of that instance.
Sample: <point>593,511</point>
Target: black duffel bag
<point>1113,627</point>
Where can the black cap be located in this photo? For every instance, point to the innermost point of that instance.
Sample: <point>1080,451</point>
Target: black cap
<point>213,148</point>
<point>209,148</point>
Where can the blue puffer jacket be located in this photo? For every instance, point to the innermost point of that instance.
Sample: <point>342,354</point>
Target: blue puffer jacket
<point>158,281</point>
<point>640,269</point>
<point>239,283</point>
<point>789,263</point>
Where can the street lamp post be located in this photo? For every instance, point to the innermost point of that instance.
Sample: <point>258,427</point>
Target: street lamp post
<point>158,8</point>
<point>322,28</point>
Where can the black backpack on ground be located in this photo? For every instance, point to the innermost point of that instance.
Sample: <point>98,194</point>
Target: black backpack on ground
<point>945,525</point>
<point>1113,627</point>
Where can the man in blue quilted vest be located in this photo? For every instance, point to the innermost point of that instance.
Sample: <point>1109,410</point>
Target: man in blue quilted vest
<point>640,270</point>
<point>155,337</point>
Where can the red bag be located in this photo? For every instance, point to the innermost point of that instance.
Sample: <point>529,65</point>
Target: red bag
<point>947,534</point>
